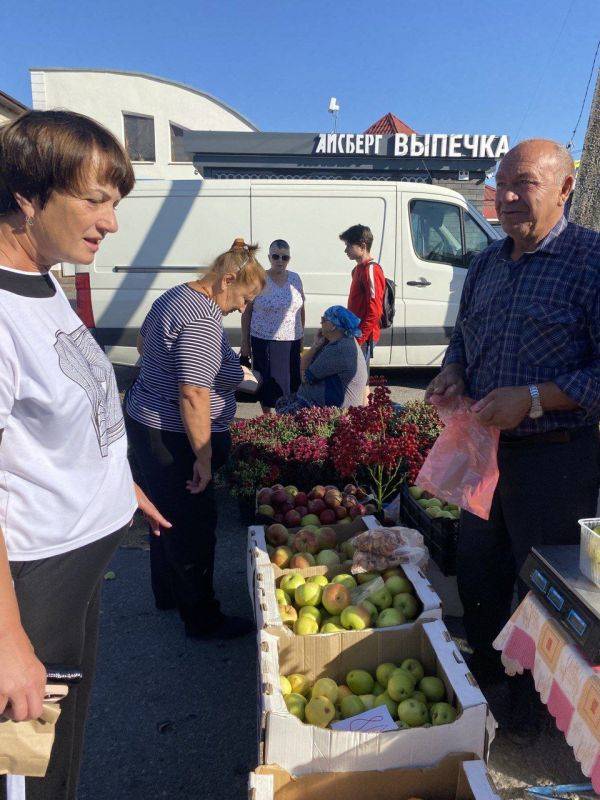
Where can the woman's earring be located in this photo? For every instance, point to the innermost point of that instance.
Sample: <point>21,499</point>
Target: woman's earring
<point>29,221</point>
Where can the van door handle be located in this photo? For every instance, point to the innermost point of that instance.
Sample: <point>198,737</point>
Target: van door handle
<point>422,282</point>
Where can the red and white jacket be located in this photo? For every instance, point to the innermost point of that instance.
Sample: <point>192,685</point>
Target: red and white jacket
<point>367,291</point>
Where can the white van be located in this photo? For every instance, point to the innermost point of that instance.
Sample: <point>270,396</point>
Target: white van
<point>170,231</point>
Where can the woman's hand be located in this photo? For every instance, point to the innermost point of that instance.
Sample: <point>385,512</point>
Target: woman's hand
<point>248,374</point>
<point>153,516</point>
<point>22,677</point>
<point>319,340</point>
<point>201,477</point>
<point>194,404</point>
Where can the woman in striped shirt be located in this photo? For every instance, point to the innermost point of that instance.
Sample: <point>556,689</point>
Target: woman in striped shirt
<point>178,413</point>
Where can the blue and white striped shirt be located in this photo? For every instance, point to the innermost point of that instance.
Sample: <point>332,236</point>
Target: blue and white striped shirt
<point>184,342</point>
<point>534,320</point>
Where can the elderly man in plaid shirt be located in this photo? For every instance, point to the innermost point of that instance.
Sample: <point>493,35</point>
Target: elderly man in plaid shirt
<point>526,349</point>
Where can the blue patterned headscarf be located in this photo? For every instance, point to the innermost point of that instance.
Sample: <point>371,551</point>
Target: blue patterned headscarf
<point>343,319</point>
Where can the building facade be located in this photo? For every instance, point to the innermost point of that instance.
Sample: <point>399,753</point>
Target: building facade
<point>148,114</point>
<point>10,108</point>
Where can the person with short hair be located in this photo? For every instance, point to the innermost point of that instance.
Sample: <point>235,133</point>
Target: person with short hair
<point>67,495</point>
<point>178,413</point>
<point>273,329</point>
<point>526,349</point>
<point>367,289</point>
<point>334,371</point>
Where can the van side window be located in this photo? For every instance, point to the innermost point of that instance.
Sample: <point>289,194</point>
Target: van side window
<point>476,239</point>
<point>436,231</point>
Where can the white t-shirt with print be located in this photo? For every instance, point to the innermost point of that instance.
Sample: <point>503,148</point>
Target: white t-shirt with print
<point>64,476</point>
<point>276,311</point>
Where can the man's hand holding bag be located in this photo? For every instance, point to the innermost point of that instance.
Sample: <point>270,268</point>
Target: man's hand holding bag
<point>462,466</point>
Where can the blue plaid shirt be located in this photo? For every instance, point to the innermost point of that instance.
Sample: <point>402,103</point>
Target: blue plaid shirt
<point>534,320</point>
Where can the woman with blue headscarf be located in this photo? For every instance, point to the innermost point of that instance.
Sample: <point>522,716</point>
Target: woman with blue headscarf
<point>334,369</point>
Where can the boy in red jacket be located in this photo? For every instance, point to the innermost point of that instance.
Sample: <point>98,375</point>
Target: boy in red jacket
<point>367,289</point>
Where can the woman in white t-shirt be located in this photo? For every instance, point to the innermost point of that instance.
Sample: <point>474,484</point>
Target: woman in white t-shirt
<point>273,329</point>
<point>66,491</point>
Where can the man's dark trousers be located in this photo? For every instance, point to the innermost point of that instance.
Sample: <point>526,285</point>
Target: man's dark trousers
<point>543,489</point>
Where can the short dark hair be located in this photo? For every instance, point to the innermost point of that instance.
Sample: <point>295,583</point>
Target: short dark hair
<point>46,151</point>
<point>358,234</point>
<point>280,243</point>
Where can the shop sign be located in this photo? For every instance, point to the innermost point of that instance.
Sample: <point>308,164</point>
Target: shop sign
<point>414,145</point>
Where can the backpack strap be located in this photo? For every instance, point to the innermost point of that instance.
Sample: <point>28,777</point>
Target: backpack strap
<point>371,261</point>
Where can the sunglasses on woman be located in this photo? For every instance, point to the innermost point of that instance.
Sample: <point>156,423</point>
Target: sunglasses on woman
<point>276,257</point>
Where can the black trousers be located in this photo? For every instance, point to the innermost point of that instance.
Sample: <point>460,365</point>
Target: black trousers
<point>182,558</point>
<point>59,603</point>
<point>279,366</point>
<point>543,489</point>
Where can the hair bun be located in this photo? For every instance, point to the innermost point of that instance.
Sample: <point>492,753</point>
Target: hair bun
<point>239,244</point>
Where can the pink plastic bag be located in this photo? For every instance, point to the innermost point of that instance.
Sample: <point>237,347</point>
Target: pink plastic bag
<point>462,466</point>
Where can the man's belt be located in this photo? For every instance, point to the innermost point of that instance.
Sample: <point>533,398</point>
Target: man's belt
<point>558,436</point>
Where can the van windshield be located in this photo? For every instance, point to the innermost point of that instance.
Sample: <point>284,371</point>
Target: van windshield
<point>489,229</point>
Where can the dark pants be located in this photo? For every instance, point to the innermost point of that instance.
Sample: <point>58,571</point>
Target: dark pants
<point>279,366</point>
<point>182,558</point>
<point>59,603</point>
<point>543,489</point>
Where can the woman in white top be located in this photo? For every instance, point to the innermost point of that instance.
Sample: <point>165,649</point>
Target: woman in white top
<point>273,329</point>
<point>66,491</point>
